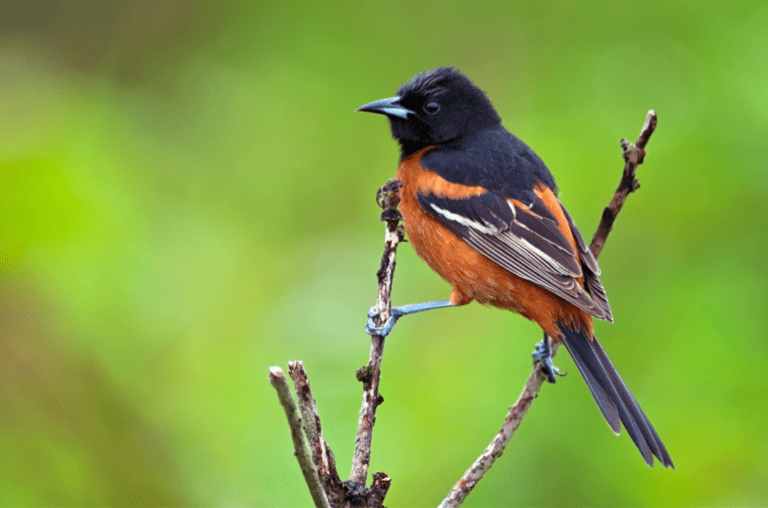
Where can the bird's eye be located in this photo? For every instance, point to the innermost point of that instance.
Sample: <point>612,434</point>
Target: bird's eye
<point>431,108</point>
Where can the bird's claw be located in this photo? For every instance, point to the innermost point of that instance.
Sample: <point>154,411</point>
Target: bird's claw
<point>383,330</point>
<point>543,354</point>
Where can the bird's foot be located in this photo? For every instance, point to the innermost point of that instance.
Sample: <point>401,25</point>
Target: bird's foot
<point>543,353</point>
<point>383,330</point>
<point>398,312</point>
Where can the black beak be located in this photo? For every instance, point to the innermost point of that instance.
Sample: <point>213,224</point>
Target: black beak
<point>389,107</point>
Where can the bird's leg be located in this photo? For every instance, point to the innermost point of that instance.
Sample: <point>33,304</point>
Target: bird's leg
<point>398,312</point>
<point>543,353</point>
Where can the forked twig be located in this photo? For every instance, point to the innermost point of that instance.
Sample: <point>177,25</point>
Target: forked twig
<point>300,445</point>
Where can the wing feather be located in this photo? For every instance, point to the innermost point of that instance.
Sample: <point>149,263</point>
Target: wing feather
<point>520,234</point>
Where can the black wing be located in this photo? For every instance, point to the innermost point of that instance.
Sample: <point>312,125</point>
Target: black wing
<point>591,282</point>
<point>518,232</point>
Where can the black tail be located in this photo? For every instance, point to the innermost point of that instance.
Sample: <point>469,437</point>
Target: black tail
<point>613,397</point>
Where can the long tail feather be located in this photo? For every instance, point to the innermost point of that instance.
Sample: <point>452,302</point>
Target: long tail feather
<point>613,397</point>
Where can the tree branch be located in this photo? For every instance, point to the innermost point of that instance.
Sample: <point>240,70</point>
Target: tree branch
<point>322,456</point>
<point>320,470</point>
<point>388,198</point>
<point>633,156</point>
<point>300,446</point>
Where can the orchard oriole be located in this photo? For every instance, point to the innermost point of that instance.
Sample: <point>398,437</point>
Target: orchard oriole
<point>481,209</point>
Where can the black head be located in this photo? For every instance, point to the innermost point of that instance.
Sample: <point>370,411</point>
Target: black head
<point>435,107</point>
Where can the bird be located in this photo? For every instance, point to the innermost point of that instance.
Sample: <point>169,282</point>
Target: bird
<point>481,209</point>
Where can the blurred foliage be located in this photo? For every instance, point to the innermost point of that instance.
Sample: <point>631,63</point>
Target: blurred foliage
<point>187,197</point>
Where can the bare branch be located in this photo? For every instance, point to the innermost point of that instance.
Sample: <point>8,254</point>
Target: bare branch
<point>633,156</point>
<point>320,471</point>
<point>300,446</point>
<point>494,450</point>
<point>388,198</point>
<point>322,456</point>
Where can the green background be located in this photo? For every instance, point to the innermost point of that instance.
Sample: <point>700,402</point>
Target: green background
<point>187,198</point>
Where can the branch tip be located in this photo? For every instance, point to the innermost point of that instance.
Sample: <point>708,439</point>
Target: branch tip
<point>300,444</point>
<point>648,127</point>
